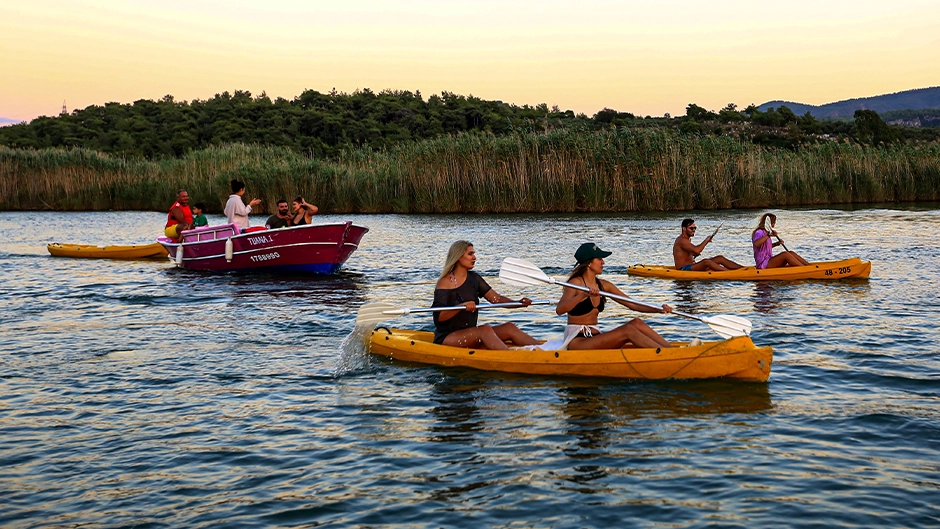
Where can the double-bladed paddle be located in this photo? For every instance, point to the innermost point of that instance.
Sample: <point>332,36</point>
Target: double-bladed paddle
<point>519,272</point>
<point>372,313</point>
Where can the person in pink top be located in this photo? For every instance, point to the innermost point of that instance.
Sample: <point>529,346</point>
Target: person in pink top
<point>764,246</point>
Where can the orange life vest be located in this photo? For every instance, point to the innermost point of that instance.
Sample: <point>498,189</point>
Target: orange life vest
<point>187,215</point>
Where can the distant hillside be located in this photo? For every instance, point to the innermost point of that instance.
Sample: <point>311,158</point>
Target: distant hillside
<point>8,121</point>
<point>921,98</point>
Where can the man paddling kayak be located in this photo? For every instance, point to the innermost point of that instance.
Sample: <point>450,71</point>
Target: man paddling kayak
<point>684,252</point>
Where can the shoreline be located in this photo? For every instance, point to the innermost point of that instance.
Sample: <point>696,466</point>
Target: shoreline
<point>560,172</point>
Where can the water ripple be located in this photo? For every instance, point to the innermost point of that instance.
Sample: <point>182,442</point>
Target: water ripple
<point>136,394</point>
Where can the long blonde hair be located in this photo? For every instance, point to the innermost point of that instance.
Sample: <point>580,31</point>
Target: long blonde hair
<point>762,223</point>
<point>453,255</point>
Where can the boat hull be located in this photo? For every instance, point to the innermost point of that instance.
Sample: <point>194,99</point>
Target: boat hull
<point>90,251</point>
<point>315,249</point>
<point>737,358</point>
<point>827,270</point>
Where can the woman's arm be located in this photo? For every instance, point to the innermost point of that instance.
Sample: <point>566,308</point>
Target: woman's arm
<point>570,297</point>
<point>760,242</point>
<point>495,297</point>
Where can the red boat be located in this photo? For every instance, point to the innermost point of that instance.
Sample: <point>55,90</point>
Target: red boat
<point>315,248</point>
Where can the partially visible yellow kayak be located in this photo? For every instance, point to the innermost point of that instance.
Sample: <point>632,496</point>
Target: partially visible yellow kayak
<point>853,268</point>
<point>736,358</point>
<point>137,251</point>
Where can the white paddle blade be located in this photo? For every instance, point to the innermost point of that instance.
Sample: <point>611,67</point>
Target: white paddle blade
<point>372,313</point>
<point>729,326</point>
<point>522,273</point>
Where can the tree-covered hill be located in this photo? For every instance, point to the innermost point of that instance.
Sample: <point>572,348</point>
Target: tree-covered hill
<point>325,125</point>
<point>920,98</point>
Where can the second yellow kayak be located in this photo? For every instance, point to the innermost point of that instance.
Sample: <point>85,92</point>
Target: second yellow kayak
<point>853,268</point>
<point>137,251</point>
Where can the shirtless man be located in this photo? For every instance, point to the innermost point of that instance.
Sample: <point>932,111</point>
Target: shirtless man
<point>684,252</point>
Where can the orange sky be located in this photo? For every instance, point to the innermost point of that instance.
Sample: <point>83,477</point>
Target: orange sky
<point>645,57</point>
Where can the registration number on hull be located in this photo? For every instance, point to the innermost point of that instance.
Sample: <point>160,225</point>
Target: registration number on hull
<point>841,270</point>
<point>265,257</point>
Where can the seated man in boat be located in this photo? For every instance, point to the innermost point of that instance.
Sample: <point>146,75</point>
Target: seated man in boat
<point>583,308</point>
<point>684,252</point>
<point>180,216</point>
<point>764,246</point>
<point>281,219</point>
<point>303,212</point>
<point>459,285</point>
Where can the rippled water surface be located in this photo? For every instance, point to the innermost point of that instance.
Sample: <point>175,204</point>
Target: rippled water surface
<point>136,394</point>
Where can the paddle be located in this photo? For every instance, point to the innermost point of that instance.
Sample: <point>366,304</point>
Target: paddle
<point>523,273</point>
<point>716,231</point>
<point>372,313</point>
<point>781,242</point>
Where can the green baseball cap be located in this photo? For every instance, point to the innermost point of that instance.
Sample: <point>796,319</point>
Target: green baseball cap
<point>588,251</point>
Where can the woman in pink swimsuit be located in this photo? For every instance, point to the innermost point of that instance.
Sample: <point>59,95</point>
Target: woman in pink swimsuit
<point>764,247</point>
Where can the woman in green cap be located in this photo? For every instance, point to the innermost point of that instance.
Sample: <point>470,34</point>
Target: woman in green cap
<point>460,285</point>
<point>582,308</point>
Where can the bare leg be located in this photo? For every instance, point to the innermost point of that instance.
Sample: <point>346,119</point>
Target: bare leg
<point>706,264</point>
<point>786,259</point>
<point>510,332</point>
<point>636,332</point>
<point>804,262</point>
<point>725,262</point>
<point>483,337</point>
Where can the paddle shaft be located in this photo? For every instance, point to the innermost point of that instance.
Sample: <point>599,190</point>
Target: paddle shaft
<point>510,304</point>
<point>625,298</point>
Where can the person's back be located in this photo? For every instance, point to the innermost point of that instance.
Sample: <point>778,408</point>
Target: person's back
<point>236,212</point>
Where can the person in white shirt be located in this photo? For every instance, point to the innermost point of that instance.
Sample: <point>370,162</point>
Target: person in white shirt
<point>235,210</point>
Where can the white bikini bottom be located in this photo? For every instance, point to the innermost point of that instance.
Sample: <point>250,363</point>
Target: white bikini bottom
<point>571,332</point>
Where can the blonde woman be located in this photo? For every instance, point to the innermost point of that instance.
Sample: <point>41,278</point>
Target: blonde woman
<point>460,285</point>
<point>764,246</point>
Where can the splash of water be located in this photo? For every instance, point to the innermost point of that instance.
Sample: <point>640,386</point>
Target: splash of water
<point>354,354</point>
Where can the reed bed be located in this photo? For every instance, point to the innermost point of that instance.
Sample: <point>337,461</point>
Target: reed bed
<point>562,171</point>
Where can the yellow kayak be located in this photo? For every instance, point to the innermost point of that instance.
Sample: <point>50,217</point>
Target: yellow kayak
<point>137,251</point>
<point>853,268</point>
<point>736,358</point>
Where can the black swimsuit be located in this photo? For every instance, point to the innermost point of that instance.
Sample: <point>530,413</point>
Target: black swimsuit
<point>472,289</point>
<point>586,306</point>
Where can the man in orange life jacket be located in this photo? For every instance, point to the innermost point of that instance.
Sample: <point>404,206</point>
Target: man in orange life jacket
<point>180,216</point>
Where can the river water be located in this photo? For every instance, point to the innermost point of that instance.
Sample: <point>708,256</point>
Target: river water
<point>136,394</point>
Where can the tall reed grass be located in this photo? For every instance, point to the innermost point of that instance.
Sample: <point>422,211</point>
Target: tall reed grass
<point>562,171</point>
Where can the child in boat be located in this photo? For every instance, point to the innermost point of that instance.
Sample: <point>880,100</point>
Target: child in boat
<point>460,285</point>
<point>764,247</point>
<point>583,308</point>
<point>199,217</point>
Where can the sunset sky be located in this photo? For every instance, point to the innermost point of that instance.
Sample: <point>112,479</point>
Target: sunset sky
<point>646,57</point>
